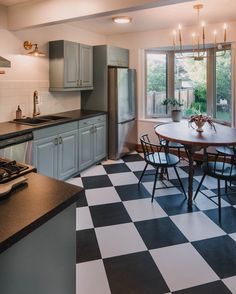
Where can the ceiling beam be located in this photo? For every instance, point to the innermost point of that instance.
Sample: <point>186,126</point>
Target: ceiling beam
<point>48,12</point>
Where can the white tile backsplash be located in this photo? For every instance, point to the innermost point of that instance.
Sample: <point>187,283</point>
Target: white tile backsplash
<point>20,92</point>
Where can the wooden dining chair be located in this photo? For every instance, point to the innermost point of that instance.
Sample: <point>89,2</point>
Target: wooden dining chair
<point>220,167</point>
<point>160,161</point>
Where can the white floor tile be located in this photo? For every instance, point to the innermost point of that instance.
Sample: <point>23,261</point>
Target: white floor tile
<point>182,266</point>
<point>119,239</point>
<point>91,278</point>
<point>233,236</point>
<point>143,209</point>
<point>83,218</point>
<point>203,203</point>
<point>161,192</point>
<point>138,165</point>
<point>109,161</point>
<point>230,283</point>
<point>96,170</point>
<point>172,174</point>
<point>209,182</point>
<point>102,196</point>
<point>120,179</point>
<point>75,181</point>
<point>197,226</point>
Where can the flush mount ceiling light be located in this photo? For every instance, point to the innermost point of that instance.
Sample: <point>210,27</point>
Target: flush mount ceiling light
<point>121,19</point>
<point>199,51</point>
<point>28,46</point>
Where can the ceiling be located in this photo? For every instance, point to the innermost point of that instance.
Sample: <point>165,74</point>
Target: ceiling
<point>214,11</point>
<point>12,2</point>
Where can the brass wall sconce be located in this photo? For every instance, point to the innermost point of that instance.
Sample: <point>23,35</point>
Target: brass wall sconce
<point>28,46</point>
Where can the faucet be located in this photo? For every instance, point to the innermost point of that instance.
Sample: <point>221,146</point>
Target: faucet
<point>36,101</point>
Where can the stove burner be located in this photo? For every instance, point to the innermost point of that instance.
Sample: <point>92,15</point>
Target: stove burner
<point>10,169</point>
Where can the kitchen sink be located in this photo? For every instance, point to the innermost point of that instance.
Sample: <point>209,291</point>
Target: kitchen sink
<point>52,117</point>
<point>30,121</point>
<point>38,120</point>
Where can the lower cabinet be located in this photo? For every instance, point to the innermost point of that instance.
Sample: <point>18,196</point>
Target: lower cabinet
<point>56,155</point>
<point>92,141</point>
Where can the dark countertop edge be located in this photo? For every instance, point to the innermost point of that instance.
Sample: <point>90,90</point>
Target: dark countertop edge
<point>4,245</point>
<point>27,128</point>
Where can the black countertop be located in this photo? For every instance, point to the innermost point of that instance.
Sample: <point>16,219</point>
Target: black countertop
<point>10,129</point>
<point>31,205</point>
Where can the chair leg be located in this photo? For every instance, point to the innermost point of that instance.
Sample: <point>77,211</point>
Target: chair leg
<point>219,200</point>
<point>226,187</point>
<point>199,186</point>
<point>143,172</point>
<point>167,175</point>
<point>180,182</point>
<point>154,184</point>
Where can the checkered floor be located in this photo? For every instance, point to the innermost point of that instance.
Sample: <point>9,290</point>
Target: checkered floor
<point>126,244</point>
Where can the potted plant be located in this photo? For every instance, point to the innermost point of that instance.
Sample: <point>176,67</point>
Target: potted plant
<point>176,112</point>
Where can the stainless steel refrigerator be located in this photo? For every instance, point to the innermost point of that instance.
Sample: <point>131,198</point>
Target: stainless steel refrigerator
<point>122,137</point>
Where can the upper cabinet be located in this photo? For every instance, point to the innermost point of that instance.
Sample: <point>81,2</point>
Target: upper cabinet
<point>117,56</point>
<point>70,66</point>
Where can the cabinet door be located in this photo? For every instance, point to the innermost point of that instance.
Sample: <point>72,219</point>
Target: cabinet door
<point>45,156</point>
<point>117,56</point>
<point>100,140</point>
<point>86,65</point>
<point>67,154</point>
<point>85,147</point>
<point>71,64</point>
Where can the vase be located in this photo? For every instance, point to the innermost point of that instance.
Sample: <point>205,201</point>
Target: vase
<point>199,125</point>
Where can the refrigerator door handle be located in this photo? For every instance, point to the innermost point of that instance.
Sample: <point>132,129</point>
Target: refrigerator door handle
<point>126,121</point>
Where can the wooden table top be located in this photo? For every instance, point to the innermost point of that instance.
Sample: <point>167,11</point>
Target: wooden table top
<point>182,133</point>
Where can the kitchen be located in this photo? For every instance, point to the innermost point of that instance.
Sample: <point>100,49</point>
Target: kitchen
<point>28,74</point>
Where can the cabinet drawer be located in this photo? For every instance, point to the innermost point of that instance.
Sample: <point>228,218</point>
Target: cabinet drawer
<point>85,122</point>
<point>99,119</point>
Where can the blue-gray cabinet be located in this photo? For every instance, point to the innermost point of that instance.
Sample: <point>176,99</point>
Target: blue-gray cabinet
<point>70,66</point>
<point>92,141</point>
<point>55,151</point>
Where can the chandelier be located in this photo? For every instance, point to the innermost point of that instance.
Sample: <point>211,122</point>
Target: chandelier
<point>199,48</point>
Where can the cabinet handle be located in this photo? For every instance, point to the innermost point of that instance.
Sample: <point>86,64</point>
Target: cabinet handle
<point>60,140</point>
<point>56,141</point>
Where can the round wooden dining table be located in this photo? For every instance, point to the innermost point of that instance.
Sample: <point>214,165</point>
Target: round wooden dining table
<point>194,141</point>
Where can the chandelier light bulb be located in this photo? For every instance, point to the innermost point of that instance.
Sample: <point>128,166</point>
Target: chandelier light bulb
<point>203,24</point>
<point>225,26</point>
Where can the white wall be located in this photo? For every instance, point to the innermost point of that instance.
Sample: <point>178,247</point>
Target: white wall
<point>138,42</point>
<point>30,73</point>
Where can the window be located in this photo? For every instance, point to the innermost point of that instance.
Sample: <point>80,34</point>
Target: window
<point>222,107</point>
<point>202,86</point>
<point>156,83</point>
<point>191,84</point>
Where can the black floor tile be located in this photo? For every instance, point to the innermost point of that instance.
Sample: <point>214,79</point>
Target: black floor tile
<point>197,169</point>
<point>157,233</point>
<point>217,287</point>
<point>131,192</point>
<point>135,273</point>
<point>96,182</point>
<point>148,176</point>
<point>116,168</point>
<point>184,181</point>
<point>220,254</point>
<point>87,246</point>
<point>82,201</point>
<point>228,218</point>
<point>132,157</point>
<point>175,204</point>
<point>109,214</point>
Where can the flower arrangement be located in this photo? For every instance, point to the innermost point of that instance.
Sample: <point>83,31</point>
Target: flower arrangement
<point>200,120</point>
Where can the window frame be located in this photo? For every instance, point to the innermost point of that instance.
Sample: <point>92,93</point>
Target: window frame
<point>170,82</point>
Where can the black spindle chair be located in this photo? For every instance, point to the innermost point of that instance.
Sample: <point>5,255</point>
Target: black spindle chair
<point>159,160</point>
<point>221,167</point>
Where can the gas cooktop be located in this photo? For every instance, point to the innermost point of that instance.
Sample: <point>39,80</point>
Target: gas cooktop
<point>10,169</point>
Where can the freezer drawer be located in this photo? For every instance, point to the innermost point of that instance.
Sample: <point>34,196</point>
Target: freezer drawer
<point>125,141</point>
